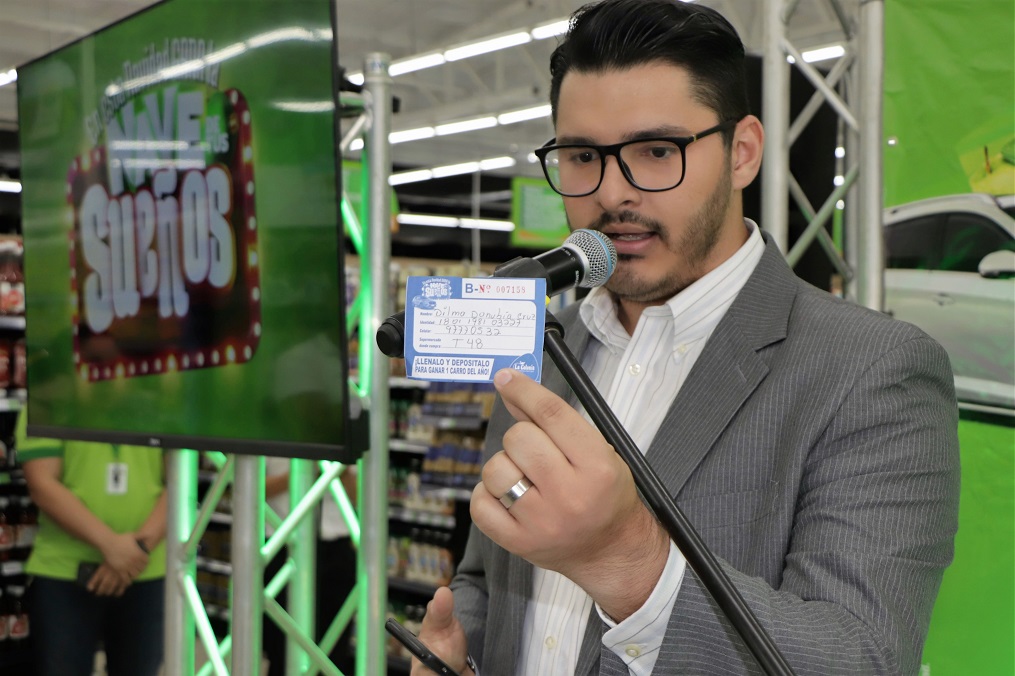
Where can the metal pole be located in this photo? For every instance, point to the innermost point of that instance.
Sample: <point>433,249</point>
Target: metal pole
<point>248,570</point>
<point>870,270</point>
<point>303,550</point>
<point>370,643</point>
<point>852,216</point>
<point>476,246</point>
<point>775,114</point>
<point>181,506</point>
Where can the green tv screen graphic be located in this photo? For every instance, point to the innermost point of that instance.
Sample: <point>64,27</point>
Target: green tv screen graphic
<point>183,247</point>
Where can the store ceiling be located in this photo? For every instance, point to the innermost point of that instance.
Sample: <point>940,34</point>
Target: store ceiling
<point>502,81</point>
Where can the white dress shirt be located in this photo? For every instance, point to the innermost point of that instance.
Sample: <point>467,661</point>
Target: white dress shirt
<point>639,376</point>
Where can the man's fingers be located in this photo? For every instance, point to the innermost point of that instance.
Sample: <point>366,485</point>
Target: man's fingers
<point>529,401</point>
<point>439,617</point>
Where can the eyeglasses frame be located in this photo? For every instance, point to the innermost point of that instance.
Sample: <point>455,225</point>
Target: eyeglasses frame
<point>614,150</point>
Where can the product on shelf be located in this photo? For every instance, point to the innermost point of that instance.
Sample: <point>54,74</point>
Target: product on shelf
<point>5,364</point>
<point>12,276</point>
<point>17,618</point>
<point>8,452</point>
<point>19,367</point>
<point>420,555</point>
<point>4,625</point>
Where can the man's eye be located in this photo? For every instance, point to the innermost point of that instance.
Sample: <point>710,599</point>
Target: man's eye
<point>661,152</point>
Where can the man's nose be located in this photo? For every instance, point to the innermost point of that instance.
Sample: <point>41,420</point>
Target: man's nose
<point>615,190</point>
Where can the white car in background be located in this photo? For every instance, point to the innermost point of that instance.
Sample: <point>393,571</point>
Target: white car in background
<point>950,269</point>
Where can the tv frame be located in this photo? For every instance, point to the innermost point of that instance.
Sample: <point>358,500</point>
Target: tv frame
<point>354,428</point>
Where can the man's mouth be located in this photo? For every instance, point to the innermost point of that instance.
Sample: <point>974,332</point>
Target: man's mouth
<point>629,236</point>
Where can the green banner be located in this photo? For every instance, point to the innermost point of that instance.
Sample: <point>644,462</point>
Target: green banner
<point>949,98</point>
<point>974,617</point>
<point>185,160</point>
<point>538,214</point>
<point>949,127</point>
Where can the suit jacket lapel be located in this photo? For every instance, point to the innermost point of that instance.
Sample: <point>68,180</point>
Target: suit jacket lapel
<point>504,639</point>
<point>727,371</point>
<point>592,645</point>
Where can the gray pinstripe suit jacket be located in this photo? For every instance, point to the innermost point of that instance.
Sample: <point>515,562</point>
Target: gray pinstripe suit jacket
<point>814,448</point>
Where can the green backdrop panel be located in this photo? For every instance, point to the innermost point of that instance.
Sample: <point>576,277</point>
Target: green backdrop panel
<point>974,618</point>
<point>949,97</point>
<point>538,214</point>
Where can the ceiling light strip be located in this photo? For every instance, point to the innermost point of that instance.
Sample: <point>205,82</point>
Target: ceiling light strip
<point>486,46</point>
<point>470,49</point>
<point>549,30</point>
<point>10,186</point>
<point>466,125</point>
<point>460,126</point>
<point>430,220</point>
<point>524,115</point>
<point>414,63</point>
<point>444,171</point>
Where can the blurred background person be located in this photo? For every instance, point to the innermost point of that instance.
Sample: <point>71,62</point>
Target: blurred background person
<point>98,563</point>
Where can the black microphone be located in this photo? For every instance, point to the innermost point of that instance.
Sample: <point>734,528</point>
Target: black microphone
<point>586,259</point>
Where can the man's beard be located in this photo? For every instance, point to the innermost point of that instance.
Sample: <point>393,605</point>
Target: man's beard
<point>694,245</point>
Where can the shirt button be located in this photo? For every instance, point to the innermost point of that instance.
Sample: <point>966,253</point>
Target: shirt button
<point>634,369</point>
<point>633,650</point>
<point>550,642</point>
<point>682,349</point>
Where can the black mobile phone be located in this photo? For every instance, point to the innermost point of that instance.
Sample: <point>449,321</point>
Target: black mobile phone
<point>85,572</point>
<point>418,648</point>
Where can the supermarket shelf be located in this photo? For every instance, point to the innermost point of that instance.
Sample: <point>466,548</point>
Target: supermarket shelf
<point>421,588</point>
<point>421,517</point>
<point>12,323</point>
<point>404,446</point>
<point>12,568</point>
<point>215,611</point>
<point>453,423</point>
<point>214,566</point>
<point>448,492</point>
<point>14,401</point>
<point>221,517</point>
<point>407,383</point>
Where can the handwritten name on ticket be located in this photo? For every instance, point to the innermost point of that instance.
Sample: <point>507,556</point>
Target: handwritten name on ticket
<point>467,329</point>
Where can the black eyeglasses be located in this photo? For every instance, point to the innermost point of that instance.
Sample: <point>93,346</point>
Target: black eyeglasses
<point>650,164</point>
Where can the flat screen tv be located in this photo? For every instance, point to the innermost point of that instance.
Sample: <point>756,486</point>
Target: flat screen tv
<point>182,234</point>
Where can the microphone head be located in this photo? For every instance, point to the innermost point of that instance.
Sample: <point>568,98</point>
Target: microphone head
<point>599,254</point>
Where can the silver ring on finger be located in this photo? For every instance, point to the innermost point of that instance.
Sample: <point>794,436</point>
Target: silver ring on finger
<point>515,492</point>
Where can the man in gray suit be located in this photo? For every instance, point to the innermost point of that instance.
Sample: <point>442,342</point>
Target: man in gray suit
<point>811,442</point>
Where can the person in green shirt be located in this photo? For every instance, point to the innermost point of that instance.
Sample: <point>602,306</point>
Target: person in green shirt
<point>98,562</point>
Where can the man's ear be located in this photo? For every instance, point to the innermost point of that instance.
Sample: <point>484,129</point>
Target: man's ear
<point>748,145</point>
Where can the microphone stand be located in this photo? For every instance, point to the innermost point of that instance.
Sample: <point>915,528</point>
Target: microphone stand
<point>680,530</point>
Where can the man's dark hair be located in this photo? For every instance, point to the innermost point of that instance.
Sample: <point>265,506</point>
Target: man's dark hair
<point>620,34</point>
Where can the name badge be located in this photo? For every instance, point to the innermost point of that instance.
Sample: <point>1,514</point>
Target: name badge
<point>116,478</point>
